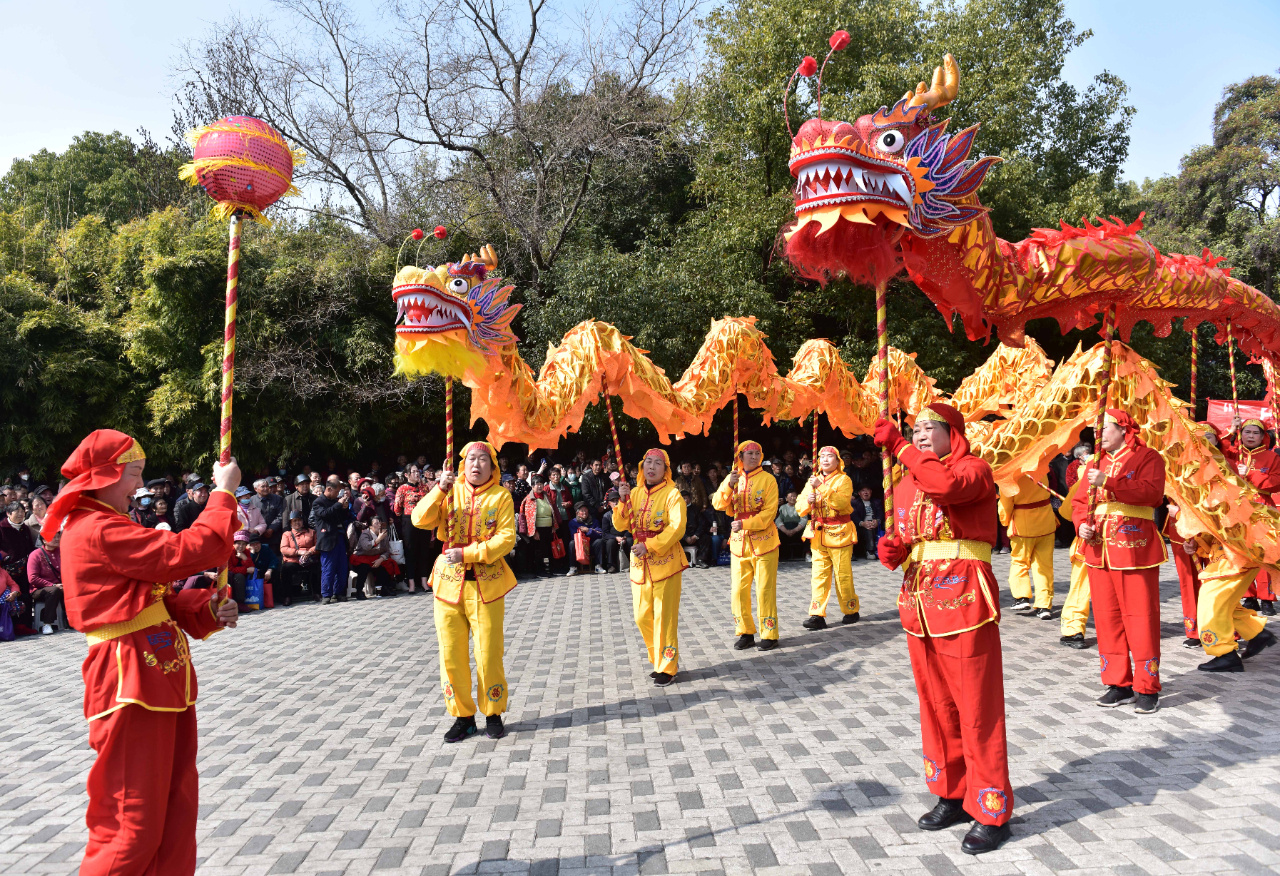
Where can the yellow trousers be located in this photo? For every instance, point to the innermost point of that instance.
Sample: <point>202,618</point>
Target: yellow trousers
<point>764,571</point>
<point>455,624</point>
<point>1031,560</point>
<point>657,611</point>
<point>1220,616</point>
<point>828,563</point>
<point>1075,608</point>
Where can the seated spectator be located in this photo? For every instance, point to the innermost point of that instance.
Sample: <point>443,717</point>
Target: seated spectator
<point>251,521</point>
<point>697,533</point>
<point>300,568</point>
<point>790,527</point>
<point>44,572</point>
<point>190,505</point>
<point>16,544</point>
<point>687,481</point>
<point>868,515</point>
<point>142,512</point>
<point>612,544</point>
<point>41,496</point>
<point>582,530</point>
<point>11,605</point>
<point>241,568</point>
<point>373,552</point>
<point>541,515</point>
<point>162,513</point>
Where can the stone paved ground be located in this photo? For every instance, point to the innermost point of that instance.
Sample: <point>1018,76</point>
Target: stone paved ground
<point>321,750</point>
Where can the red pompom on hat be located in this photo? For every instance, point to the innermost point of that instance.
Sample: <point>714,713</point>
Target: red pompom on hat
<point>808,66</point>
<point>839,40</point>
<point>98,462</point>
<point>440,232</point>
<point>417,234</point>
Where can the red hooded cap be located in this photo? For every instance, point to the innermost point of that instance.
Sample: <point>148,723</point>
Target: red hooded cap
<point>1126,422</point>
<point>98,462</point>
<point>955,420</point>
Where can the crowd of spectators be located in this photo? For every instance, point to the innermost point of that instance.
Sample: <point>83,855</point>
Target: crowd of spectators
<point>339,533</point>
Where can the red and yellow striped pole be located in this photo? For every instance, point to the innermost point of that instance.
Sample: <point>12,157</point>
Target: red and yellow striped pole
<point>229,357</point>
<point>1231,366</point>
<point>448,424</point>
<point>1195,357</point>
<point>882,356</point>
<point>613,429</point>
<point>815,439</point>
<point>1104,395</point>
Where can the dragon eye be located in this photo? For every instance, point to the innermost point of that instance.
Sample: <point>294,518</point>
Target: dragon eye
<point>890,141</point>
<point>458,285</point>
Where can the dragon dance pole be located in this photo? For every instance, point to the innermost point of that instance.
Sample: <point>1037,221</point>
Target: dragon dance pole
<point>815,438</point>
<point>1231,365</point>
<point>448,424</point>
<point>1104,393</point>
<point>735,422</point>
<point>1195,357</point>
<point>882,355</point>
<point>617,445</point>
<point>229,353</point>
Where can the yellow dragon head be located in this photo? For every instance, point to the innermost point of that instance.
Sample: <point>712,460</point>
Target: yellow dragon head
<point>451,317</point>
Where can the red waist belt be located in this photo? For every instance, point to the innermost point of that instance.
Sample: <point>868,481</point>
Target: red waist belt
<point>746,516</point>
<point>644,534</point>
<point>833,521</point>
<point>1039,504</point>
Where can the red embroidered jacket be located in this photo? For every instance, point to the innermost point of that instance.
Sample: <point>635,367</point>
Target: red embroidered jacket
<point>114,570</point>
<point>1261,467</point>
<point>951,503</point>
<point>1127,536</point>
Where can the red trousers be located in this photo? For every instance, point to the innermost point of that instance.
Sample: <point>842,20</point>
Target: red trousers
<point>143,794</point>
<point>960,682</point>
<point>1126,615</point>
<point>1263,587</point>
<point>1189,586</point>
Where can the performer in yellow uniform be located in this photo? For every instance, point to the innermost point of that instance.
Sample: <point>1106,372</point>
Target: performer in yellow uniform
<point>655,516</point>
<point>1219,614</point>
<point>827,500</point>
<point>475,519</point>
<point>1032,523</point>
<point>750,496</point>
<point>1075,608</point>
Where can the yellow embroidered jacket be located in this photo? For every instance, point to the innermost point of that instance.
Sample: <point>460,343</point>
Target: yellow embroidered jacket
<point>827,500</point>
<point>755,503</point>
<point>1029,514</point>
<point>656,517</point>
<point>483,523</point>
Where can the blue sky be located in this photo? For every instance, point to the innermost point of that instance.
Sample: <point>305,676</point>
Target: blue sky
<point>104,65</point>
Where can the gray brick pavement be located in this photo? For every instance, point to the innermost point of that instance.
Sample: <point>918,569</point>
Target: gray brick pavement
<point>321,751</point>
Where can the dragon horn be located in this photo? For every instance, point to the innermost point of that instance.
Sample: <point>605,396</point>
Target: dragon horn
<point>945,87</point>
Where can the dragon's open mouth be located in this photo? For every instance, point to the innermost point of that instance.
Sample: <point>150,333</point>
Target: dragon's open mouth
<point>824,181</point>
<point>421,309</point>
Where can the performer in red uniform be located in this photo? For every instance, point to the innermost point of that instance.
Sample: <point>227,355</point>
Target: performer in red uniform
<point>140,686</point>
<point>1248,449</point>
<point>1123,551</point>
<point>944,529</point>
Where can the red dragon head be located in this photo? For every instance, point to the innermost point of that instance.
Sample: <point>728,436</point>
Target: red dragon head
<point>860,188</point>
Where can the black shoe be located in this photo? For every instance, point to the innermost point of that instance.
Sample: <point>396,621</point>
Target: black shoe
<point>1228,662</point>
<point>745,641</point>
<point>653,675</point>
<point>288,601</point>
<point>340,598</point>
<point>1267,607</point>
<point>1258,643</point>
<point>767,645</point>
<point>1147,703</point>
<point>943,815</point>
<point>1042,613</point>
<point>493,727</point>
<point>1116,696</point>
<point>815,622</point>
<point>360,596</point>
<point>984,838</point>
<point>1249,602</point>
<point>662,679</point>
<point>851,618</point>
<point>1189,642</point>
<point>1075,640</point>
<point>1021,605</point>
<point>462,728</point>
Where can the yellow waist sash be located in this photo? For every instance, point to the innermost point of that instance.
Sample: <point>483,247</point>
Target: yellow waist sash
<point>155,613</point>
<point>951,549</point>
<point>1107,509</point>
